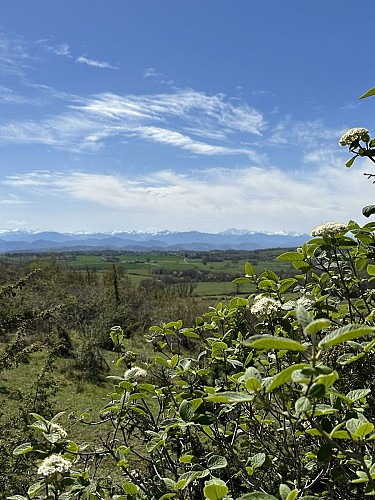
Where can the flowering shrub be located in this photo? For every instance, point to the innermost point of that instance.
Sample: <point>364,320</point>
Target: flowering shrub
<point>354,136</point>
<point>268,402</point>
<point>53,465</point>
<point>329,229</point>
<point>264,305</point>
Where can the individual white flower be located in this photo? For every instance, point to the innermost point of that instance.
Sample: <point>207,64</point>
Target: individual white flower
<point>354,134</point>
<point>264,305</point>
<point>53,464</point>
<point>329,229</point>
<point>305,301</point>
<point>57,429</point>
<point>135,373</point>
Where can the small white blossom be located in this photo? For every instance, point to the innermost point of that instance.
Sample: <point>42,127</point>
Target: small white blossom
<point>57,429</point>
<point>264,305</point>
<point>53,464</point>
<point>353,134</point>
<point>135,373</point>
<point>304,301</point>
<point>329,229</point>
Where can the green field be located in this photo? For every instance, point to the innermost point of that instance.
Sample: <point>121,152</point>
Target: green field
<point>219,268</point>
<point>212,273</point>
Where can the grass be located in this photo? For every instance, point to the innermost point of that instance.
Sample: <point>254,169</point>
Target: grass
<point>146,263</point>
<point>74,393</point>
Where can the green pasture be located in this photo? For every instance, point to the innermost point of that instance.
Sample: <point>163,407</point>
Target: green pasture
<point>147,263</point>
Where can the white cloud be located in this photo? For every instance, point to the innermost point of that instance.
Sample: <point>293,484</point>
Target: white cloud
<point>85,123</point>
<point>173,138</point>
<point>62,49</point>
<point>252,198</point>
<point>95,63</point>
<point>14,55</point>
<point>58,49</point>
<point>304,133</point>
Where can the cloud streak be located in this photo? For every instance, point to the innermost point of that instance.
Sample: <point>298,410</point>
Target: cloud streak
<point>95,63</point>
<point>189,120</point>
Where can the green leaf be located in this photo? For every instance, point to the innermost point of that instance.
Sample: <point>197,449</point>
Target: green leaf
<point>215,489</point>
<point>368,210</point>
<point>249,269</point>
<point>265,284</point>
<point>186,411</point>
<point>317,325</point>
<point>217,462</point>
<point>284,491</point>
<point>302,405</point>
<point>241,280</point>
<point>292,495</point>
<point>174,360</point>
<point>327,380</point>
<point>347,332</point>
<point>23,448</point>
<point>290,256</point>
<point>371,269</point>
<point>317,391</point>
<point>284,376</point>
<point>271,342</point>
<point>359,427</point>
<point>253,379</point>
<point>340,435</point>
<point>34,488</point>
<point>346,359</point>
<point>357,394</point>
<point>17,497</point>
<point>130,488</point>
<point>286,284</point>
<point>304,318</point>
<point>362,477</point>
<point>186,478</point>
<point>271,275</point>
<point>219,346</point>
<point>369,93</point>
<point>258,460</point>
<point>230,397</point>
<point>350,162</point>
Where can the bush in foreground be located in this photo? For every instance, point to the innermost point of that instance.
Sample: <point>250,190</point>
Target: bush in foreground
<point>273,400</point>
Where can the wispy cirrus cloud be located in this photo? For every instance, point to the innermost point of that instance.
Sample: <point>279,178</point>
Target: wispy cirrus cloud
<point>173,138</point>
<point>186,119</point>
<point>15,56</point>
<point>95,63</point>
<point>308,133</point>
<point>58,49</point>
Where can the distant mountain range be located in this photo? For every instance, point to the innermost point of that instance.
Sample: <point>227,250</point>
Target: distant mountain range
<point>232,239</point>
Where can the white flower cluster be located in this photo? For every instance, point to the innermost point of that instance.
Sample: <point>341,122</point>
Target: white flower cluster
<point>57,429</point>
<point>353,134</point>
<point>264,305</point>
<point>53,464</point>
<point>329,229</point>
<point>135,373</point>
<point>304,301</point>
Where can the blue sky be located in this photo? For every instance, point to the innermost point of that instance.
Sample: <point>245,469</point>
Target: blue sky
<point>182,114</point>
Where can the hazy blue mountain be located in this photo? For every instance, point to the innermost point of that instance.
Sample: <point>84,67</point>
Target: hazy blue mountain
<point>232,239</point>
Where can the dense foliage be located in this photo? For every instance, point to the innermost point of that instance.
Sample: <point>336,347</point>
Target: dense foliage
<point>266,397</point>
